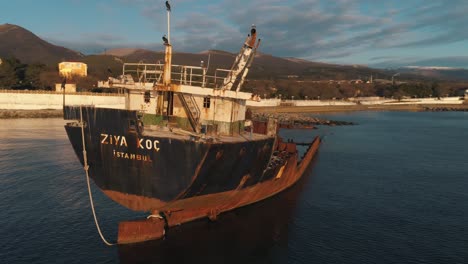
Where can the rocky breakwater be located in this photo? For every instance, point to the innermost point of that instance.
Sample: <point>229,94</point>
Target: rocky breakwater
<point>51,113</point>
<point>298,121</point>
<point>458,108</point>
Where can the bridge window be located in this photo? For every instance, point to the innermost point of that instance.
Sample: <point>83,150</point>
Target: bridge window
<point>206,102</point>
<point>147,97</point>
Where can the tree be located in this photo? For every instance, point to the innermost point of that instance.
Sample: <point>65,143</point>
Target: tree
<point>11,72</point>
<point>48,79</point>
<point>435,89</point>
<point>87,83</point>
<point>32,76</point>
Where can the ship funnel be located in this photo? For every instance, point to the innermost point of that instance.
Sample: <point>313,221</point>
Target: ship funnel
<point>252,38</point>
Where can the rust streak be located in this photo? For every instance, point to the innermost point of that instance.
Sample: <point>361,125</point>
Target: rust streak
<point>195,175</point>
<point>135,202</point>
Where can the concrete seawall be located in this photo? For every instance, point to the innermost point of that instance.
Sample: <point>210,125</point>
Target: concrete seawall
<point>25,104</point>
<point>36,100</point>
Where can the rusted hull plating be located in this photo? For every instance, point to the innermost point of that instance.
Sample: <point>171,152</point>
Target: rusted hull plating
<point>211,205</point>
<point>143,172</point>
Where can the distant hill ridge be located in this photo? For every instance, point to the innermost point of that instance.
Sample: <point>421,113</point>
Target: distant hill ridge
<point>265,66</point>
<point>24,45</point>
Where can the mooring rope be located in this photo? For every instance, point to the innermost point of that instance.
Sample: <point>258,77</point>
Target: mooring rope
<point>86,167</point>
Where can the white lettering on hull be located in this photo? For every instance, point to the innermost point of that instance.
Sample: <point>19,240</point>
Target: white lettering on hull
<point>119,141</point>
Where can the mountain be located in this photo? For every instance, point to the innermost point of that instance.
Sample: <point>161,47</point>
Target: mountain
<point>119,52</point>
<point>438,73</point>
<point>18,42</point>
<point>22,44</point>
<point>265,66</point>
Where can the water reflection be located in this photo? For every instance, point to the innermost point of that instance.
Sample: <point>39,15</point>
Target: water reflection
<point>247,235</point>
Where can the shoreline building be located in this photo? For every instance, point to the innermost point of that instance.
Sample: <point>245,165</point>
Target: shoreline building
<point>68,69</point>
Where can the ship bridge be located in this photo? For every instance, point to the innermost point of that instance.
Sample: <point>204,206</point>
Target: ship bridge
<point>187,96</point>
<point>194,100</point>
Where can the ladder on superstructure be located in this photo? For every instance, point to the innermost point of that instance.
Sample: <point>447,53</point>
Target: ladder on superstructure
<point>192,110</point>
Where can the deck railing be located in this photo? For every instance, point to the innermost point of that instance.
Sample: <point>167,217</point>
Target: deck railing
<point>54,92</point>
<point>180,74</point>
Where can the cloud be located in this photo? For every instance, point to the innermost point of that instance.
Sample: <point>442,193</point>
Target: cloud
<point>442,22</point>
<point>380,58</point>
<point>202,33</point>
<point>312,29</point>
<point>451,61</point>
<point>289,29</point>
<point>321,29</point>
<point>100,42</point>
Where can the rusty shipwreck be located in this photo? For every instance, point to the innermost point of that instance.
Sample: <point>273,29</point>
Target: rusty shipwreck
<point>182,149</point>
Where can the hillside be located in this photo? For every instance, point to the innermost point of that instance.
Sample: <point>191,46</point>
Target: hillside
<point>22,44</point>
<point>264,66</point>
<point>438,73</point>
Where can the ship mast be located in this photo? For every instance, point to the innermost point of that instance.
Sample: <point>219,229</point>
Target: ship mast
<point>168,54</point>
<point>164,88</point>
<point>168,8</point>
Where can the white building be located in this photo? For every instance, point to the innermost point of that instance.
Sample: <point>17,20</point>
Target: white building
<point>68,69</point>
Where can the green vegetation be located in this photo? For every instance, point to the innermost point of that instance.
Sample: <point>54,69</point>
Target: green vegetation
<point>308,89</point>
<point>17,75</point>
<point>20,76</point>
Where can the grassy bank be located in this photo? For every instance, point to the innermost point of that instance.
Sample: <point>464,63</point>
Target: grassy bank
<point>48,113</point>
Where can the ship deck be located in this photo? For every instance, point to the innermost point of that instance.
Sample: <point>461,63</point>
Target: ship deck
<point>176,133</point>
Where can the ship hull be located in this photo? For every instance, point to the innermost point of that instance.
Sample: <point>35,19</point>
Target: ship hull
<point>144,172</point>
<point>211,206</point>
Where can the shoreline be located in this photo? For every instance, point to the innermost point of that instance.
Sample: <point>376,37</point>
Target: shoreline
<point>42,113</point>
<point>355,108</point>
<point>57,113</point>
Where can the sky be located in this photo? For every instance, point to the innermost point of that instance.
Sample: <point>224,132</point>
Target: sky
<point>384,34</point>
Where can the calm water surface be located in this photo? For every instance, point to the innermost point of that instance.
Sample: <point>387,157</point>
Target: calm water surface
<point>393,189</point>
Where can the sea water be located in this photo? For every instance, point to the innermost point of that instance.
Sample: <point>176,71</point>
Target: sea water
<point>390,189</point>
